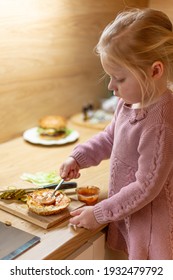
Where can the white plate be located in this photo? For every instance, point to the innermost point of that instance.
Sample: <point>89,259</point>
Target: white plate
<point>31,135</point>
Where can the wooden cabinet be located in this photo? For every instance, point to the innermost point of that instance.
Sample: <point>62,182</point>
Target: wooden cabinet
<point>96,249</point>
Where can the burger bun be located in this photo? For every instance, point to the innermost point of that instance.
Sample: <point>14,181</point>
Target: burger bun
<point>52,127</point>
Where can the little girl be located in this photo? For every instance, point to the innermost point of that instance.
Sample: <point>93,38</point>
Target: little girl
<point>136,51</point>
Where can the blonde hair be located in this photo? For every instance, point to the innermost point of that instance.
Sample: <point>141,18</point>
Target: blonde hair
<point>135,40</point>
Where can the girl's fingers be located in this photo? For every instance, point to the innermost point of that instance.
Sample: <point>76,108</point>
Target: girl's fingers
<point>69,175</point>
<point>74,221</point>
<point>76,212</point>
<point>77,175</point>
<point>73,175</point>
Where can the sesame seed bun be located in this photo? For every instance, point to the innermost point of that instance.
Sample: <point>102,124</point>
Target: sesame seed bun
<point>52,127</point>
<point>55,122</point>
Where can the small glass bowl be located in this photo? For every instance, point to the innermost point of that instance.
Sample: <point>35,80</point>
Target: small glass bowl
<point>88,194</point>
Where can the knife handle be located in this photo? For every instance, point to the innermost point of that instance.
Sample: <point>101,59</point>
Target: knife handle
<point>65,185</point>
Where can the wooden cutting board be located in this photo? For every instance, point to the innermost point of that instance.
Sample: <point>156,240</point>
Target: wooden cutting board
<point>20,209</point>
<point>78,119</point>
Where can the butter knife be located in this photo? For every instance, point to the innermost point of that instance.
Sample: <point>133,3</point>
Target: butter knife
<point>57,187</point>
<point>64,186</point>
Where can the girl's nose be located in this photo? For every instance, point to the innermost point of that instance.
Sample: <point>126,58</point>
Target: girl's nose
<point>113,87</point>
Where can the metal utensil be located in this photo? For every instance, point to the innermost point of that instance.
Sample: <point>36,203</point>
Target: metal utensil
<point>57,187</point>
<point>64,186</point>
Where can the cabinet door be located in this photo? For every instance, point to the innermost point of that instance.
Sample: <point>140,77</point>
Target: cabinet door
<point>94,249</point>
<point>98,243</point>
<point>85,252</point>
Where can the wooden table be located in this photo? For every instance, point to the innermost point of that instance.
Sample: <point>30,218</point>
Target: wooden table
<point>19,156</point>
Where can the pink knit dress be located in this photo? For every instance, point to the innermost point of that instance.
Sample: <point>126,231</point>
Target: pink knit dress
<point>139,208</point>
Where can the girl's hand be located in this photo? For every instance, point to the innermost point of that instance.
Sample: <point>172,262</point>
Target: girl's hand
<point>84,217</point>
<point>69,169</point>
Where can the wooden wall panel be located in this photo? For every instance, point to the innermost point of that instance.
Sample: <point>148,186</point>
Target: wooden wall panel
<point>47,64</point>
<point>165,6</point>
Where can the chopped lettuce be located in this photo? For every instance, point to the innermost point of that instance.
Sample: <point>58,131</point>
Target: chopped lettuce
<point>52,131</point>
<point>41,178</point>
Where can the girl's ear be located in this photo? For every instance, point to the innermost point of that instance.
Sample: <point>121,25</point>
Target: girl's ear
<point>157,70</point>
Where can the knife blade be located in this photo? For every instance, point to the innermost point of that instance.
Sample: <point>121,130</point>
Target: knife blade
<point>64,186</point>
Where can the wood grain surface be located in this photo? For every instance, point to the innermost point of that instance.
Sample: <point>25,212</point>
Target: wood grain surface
<point>78,119</point>
<point>164,6</point>
<point>48,65</point>
<point>20,210</point>
<point>18,157</point>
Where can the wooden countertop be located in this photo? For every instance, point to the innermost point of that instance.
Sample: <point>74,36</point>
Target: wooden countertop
<point>19,156</point>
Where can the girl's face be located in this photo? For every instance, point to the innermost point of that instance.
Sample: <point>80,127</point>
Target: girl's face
<point>123,83</point>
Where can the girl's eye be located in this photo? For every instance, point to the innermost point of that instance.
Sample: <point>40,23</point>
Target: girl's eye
<point>120,81</point>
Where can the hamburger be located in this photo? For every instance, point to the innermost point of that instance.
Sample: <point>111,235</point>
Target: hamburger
<point>52,127</point>
<point>41,202</point>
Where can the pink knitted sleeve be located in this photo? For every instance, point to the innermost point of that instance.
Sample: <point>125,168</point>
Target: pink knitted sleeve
<point>96,149</point>
<point>154,167</point>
